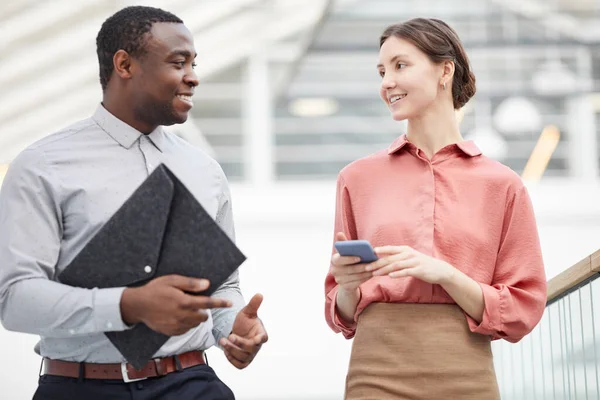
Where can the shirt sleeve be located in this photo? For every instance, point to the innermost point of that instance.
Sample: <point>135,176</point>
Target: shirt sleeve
<point>516,298</point>
<point>223,318</point>
<point>344,222</point>
<point>30,235</point>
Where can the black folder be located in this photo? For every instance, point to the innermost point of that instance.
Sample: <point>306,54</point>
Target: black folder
<point>160,230</point>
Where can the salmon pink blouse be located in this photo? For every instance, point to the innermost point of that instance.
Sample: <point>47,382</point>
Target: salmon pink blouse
<point>461,207</point>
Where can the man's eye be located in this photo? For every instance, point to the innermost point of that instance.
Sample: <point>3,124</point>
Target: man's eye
<point>194,65</point>
<point>381,73</point>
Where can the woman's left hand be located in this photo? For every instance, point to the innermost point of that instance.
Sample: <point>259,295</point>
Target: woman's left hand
<point>400,261</point>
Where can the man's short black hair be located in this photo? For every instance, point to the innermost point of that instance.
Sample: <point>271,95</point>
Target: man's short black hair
<point>126,30</point>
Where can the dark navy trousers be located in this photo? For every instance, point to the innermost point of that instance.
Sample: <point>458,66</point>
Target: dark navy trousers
<point>195,383</point>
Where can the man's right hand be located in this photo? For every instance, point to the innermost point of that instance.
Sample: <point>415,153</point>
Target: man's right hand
<point>165,307</point>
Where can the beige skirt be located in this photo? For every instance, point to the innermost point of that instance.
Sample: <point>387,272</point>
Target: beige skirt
<point>419,352</point>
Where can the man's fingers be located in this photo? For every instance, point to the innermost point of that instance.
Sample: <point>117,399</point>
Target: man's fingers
<point>211,302</point>
<point>191,320</point>
<point>237,349</point>
<point>237,353</point>
<point>261,338</point>
<point>197,317</point>
<point>187,284</point>
<point>251,309</point>
<point>204,303</point>
<point>248,345</point>
<point>235,362</point>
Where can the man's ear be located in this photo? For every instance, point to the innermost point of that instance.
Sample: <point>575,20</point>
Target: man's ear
<point>122,63</point>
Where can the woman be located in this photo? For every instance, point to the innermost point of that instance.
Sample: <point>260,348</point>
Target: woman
<point>459,255</point>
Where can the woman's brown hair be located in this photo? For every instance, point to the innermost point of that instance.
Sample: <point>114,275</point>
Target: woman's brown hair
<point>440,43</point>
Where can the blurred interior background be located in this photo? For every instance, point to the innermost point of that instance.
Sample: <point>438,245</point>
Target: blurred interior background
<point>288,96</point>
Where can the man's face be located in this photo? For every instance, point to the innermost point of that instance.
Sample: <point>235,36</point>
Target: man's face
<point>163,87</point>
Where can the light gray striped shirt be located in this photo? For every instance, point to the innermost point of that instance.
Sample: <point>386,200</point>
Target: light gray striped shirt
<point>56,195</point>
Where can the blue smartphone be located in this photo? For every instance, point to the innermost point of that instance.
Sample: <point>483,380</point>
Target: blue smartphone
<point>357,248</point>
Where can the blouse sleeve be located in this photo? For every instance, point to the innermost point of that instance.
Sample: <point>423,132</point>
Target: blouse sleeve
<point>516,298</point>
<point>344,222</point>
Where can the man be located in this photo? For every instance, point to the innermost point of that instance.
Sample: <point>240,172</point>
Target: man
<point>61,190</point>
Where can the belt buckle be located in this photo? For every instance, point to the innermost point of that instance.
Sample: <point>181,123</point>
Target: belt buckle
<point>125,374</point>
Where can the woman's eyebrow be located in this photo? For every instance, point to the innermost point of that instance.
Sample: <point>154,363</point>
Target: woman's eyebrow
<point>396,57</point>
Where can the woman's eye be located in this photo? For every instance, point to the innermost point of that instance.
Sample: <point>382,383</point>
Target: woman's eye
<point>381,73</point>
<point>194,65</point>
<point>400,65</point>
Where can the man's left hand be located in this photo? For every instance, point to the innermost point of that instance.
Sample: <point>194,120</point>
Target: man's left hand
<point>247,335</point>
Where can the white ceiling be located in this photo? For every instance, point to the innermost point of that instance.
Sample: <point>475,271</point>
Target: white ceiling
<point>49,71</point>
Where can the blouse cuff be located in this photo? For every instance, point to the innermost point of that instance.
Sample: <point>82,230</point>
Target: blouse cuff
<point>492,313</point>
<point>347,329</point>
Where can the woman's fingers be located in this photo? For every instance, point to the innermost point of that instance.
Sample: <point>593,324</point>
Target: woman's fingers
<point>353,278</point>
<point>396,266</point>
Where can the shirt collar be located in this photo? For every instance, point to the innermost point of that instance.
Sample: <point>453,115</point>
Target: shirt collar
<point>122,133</point>
<point>397,144</point>
<point>467,146</point>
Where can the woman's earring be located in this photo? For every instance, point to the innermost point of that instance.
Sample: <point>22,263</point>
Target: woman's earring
<point>444,85</point>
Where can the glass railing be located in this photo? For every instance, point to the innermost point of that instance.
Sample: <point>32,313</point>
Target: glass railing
<point>559,359</point>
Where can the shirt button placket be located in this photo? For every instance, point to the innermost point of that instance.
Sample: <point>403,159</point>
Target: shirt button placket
<point>428,205</point>
<point>147,149</point>
<point>430,210</point>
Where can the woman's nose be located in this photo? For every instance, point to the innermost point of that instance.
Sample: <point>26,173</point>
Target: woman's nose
<point>387,83</point>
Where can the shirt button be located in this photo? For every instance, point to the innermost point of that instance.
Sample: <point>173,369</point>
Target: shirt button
<point>109,324</point>
<point>147,269</point>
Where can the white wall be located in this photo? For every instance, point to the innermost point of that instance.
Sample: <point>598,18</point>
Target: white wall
<point>286,234</point>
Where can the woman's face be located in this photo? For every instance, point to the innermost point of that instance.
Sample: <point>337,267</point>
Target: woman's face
<point>410,82</point>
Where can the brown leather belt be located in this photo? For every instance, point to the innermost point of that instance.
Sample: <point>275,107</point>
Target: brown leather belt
<point>124,371</point>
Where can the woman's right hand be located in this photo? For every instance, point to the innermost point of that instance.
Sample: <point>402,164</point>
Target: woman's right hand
<point>346,271</point>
